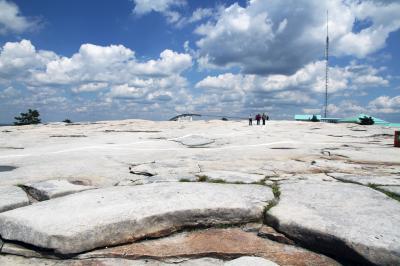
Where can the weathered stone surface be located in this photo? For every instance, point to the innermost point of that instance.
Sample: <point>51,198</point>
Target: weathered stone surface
<point>195,141</point>
<point>49,189</point>
<point>12,197</point>
<point>271,233</point>
<point>104,158</point>
<point>253,261</point>
<point>368,179</point>
<point>221,243</point>
<point>349,221</point>
<point>392,189</point>
<point>232,177</point>
<point>115,215</point>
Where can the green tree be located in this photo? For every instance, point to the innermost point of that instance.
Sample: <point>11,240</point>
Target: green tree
<point>31,117</point>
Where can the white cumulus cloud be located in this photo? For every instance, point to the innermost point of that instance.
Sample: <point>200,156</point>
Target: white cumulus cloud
<point>274,37</point>
<point>11,19</point>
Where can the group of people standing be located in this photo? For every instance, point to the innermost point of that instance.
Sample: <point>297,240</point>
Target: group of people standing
<point>258,118</point>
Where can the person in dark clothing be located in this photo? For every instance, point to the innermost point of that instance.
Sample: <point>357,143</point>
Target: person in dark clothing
<point>258,118</point>
<point>263,118</point>
<point>267,117</point>
<point>250,120</point>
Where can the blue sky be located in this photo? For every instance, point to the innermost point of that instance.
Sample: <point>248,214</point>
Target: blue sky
<point>97,60</point>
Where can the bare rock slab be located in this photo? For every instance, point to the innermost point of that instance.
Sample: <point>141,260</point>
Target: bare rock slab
<point>221,243</point>
<point>12,197</point>
<point>247,260</point>
<point>348,221</point>
<point>115,215</point>
<point>49,189</point>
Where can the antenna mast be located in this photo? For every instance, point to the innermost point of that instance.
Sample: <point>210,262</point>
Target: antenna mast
<point>326,63</point>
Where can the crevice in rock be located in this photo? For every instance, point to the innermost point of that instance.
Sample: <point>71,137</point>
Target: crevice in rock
<point>141,173</point>
<point>31,198</point>
<point>275,201</point>
<point>41,252</point>
<point>318,242</point>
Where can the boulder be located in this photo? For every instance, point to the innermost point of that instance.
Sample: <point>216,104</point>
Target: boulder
<point>12,197</point>
<point>115,215</point>
<point>352,222</point>
<point>221,243</point>
<point>49,189</point>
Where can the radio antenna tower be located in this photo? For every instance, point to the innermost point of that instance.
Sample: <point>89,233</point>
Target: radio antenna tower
<point>326,63</point>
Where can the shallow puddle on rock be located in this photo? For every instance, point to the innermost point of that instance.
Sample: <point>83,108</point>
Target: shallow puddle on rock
<point>6,168</point>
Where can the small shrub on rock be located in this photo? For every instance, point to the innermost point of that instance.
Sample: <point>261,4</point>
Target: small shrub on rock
<point>366,121</point>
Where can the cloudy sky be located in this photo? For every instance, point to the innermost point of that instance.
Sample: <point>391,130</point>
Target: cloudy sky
<point>116,59</point>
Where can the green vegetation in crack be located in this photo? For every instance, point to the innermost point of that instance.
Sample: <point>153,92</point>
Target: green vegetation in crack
<point>277,195</point>
<point>387,193</point>
<point>276,191</point>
